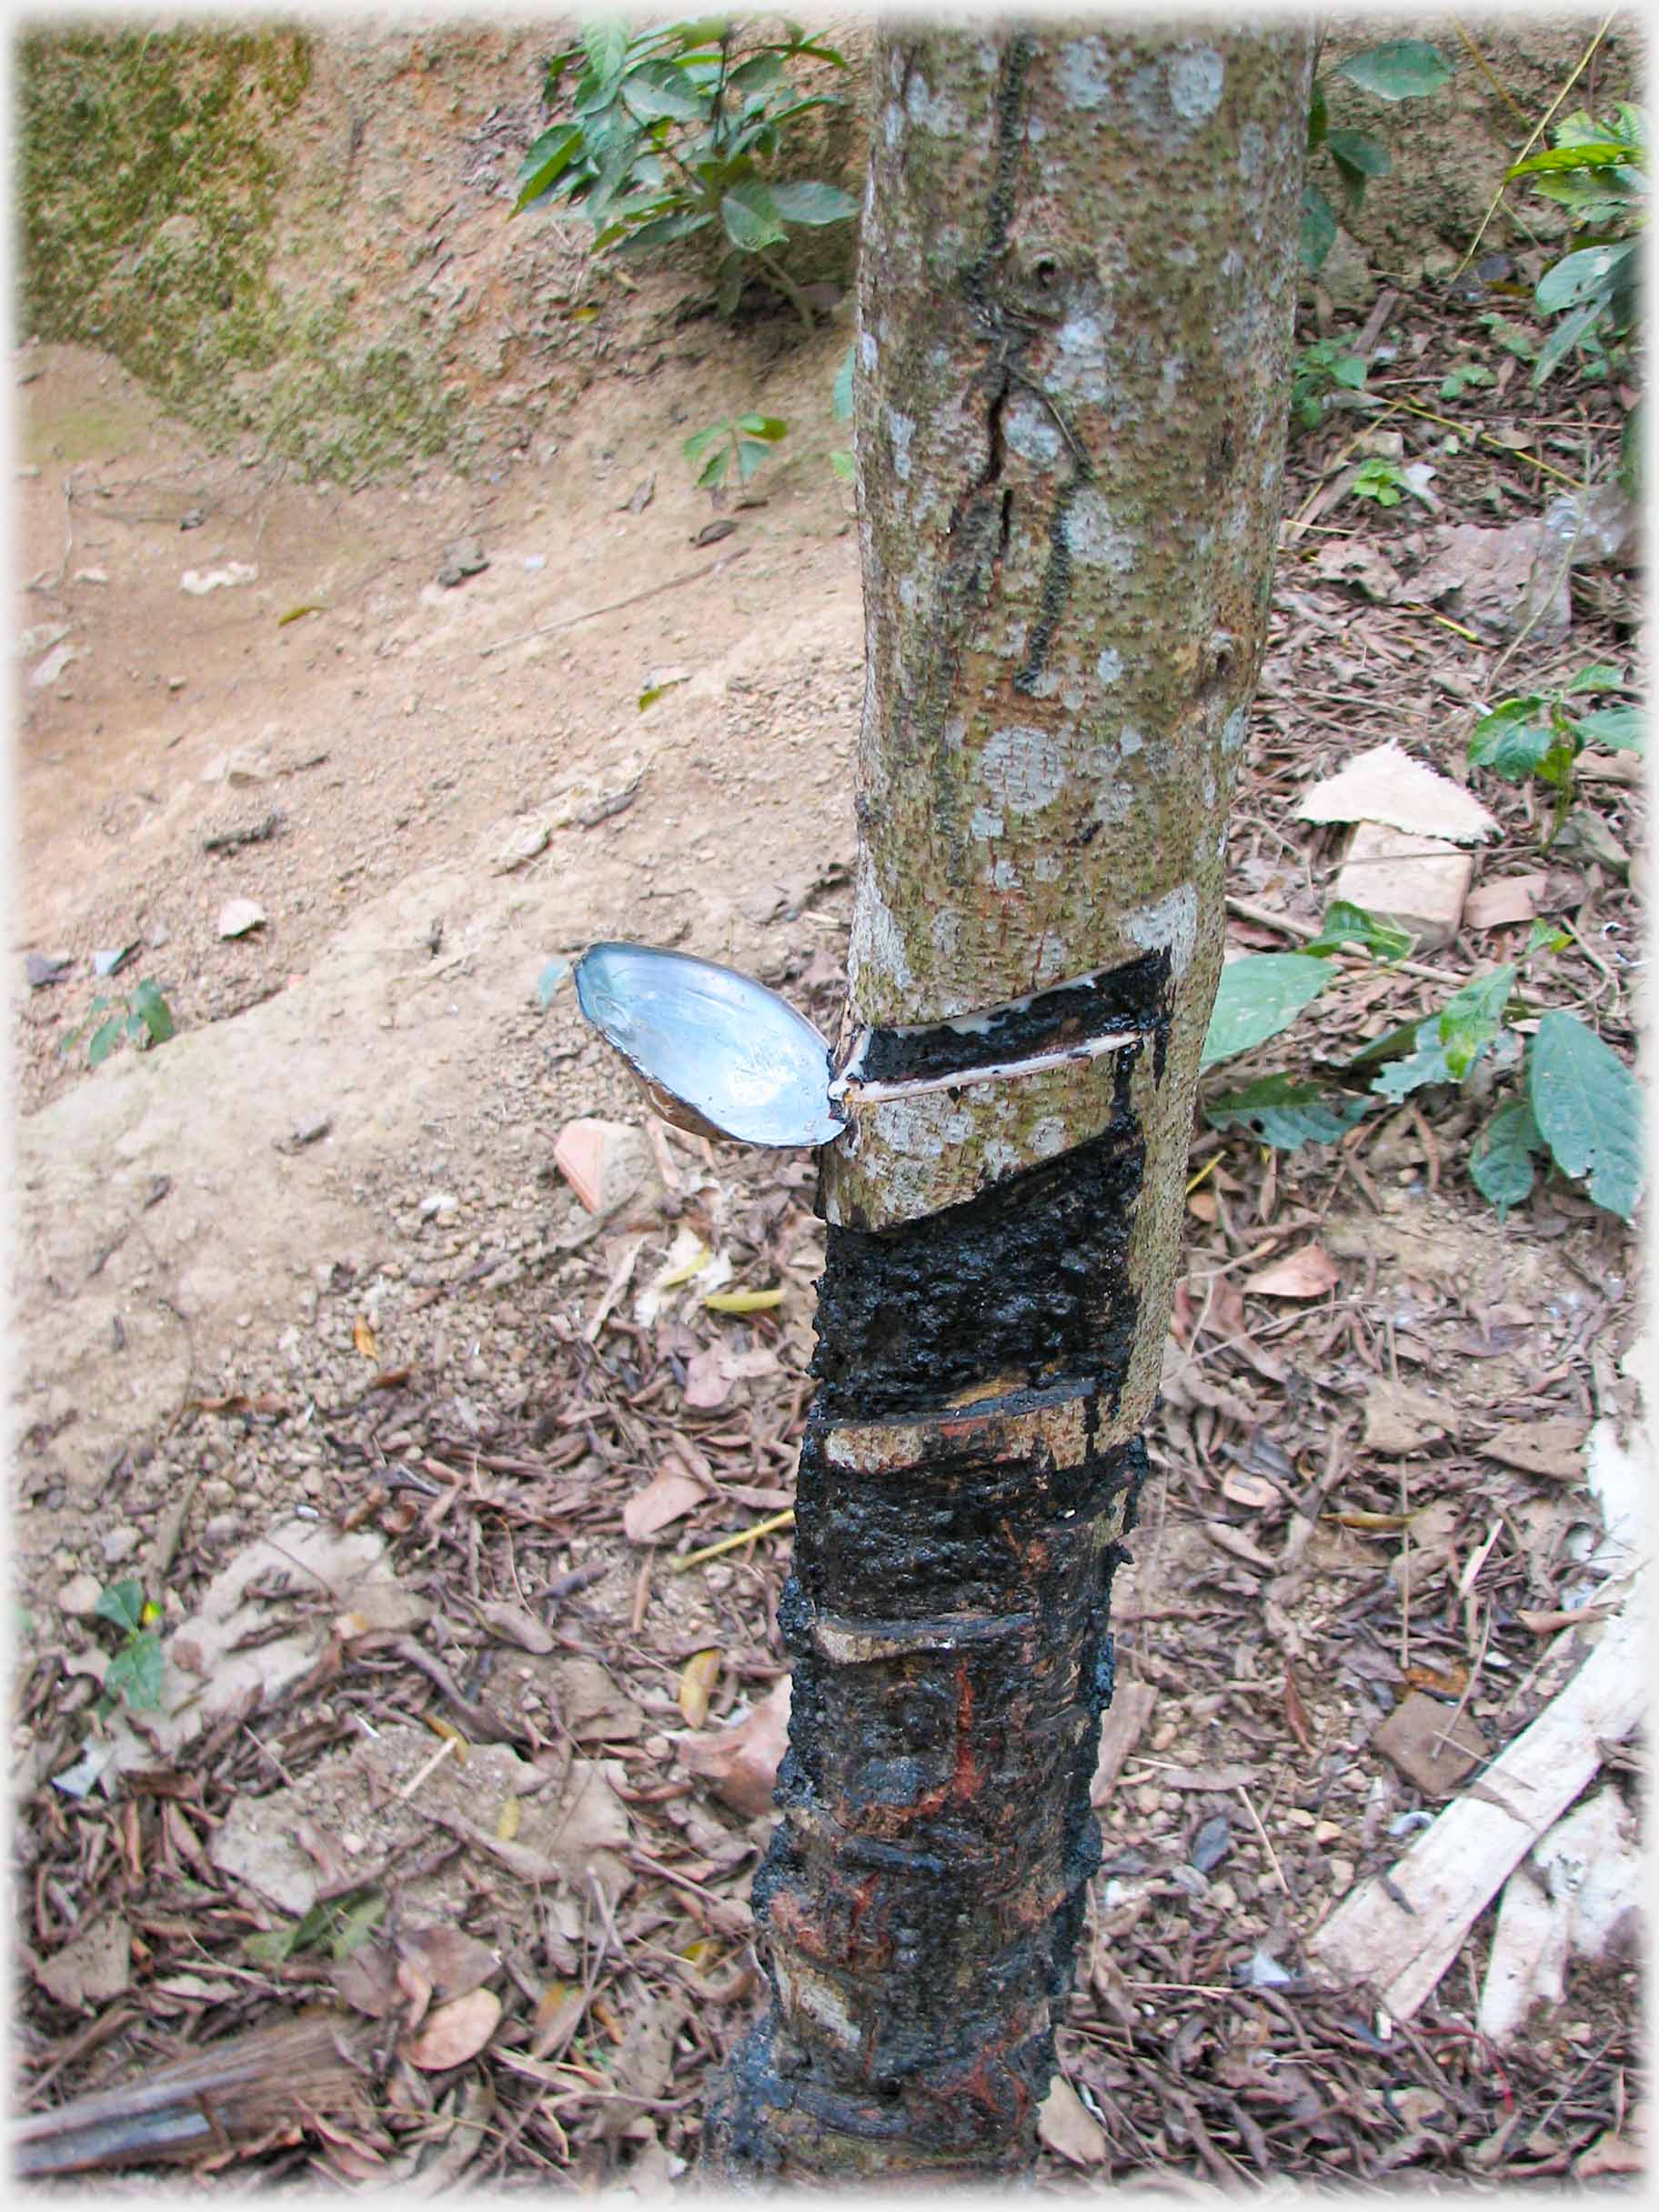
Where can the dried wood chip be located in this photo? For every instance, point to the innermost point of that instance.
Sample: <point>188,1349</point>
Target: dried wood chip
<point>1386,785</point>
<point>1125,1717</point>
<point>669,1496</point>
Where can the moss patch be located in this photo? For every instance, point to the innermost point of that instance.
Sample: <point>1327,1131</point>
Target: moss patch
<point>155,173</point>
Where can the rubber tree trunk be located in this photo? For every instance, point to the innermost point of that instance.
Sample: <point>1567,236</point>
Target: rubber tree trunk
<point>1077,284</point>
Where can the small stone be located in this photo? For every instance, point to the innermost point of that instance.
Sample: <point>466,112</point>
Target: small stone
<point>438,1206</point>
<point>198,582</point>
<point>220,1528</point>
<point>80,1595</point>
<point>523,844</point>
<point>92,576</point>
<point>216,1491</point>
<point>1418,883</point>
<point>1430,1744</point>
<point>238,916</point>
<point>119,1543</point>
<point>106,963</point>
<point>603,1161</point>
<point>465,557</point>
<point>45,968</point>
<point>175,683</point>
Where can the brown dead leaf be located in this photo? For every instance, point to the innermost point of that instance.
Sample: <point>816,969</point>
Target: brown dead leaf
<point>366,1980</point>
<point>1551,1448</point>
<point>1235,1541</point>
<point>667,1497</point>
<point>1306,1273</point>
<point>415,1991</point>
<point>454,1964</point>
<point>1430,1744</point>
<point>1401,1417</point>
<point>1295,1712</point>
<point>238,1401</point>
<point>741,1762</point>
<point>362,1337</point>
<point>455,2032</point>
<point>1253,1491</point>
<point>516,1626</point>
<point>92,1966</point>
<point>1067,2126</point>
<point>697,1681</point>
<point>1496,906</point>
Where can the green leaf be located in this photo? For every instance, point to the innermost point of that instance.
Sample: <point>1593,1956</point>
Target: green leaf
<point>766,427</point>
<point>121,1603</point>
<point>840,397</point>
<point>1284,1114</point>
<point>1618,727</point>
<point>605,42</point>
<point>756,75</point>
<point>1513,745</point>
<point>1562,338</point>
<point>700,440</point>
<point>662,231</point>
<point>1600,676</point>
<point>1405,69</point>
<point>751,458</point>
<point>354,1925</point>
<point>843,464</point>
<point>1319,119</point>
<point>1588,1108</point>
<point>1501,1159</point>
<point>1350,370</point>
<point>136,1674</point>
<point>814,205</point>
<point>104,1040</point>
<point>712,474</point>
<point>1318,234</point>
<point>1259,995</point>
<point>656,89</point>
<point>1426,1063</point>
<point>1607,155</point>
<point>1347,924</point>
<point>1353,150</point>
<point>751,218</point>
<point>1473,1017</point>
<point>547,162</point>
<point>1466,374</point>
<point>1591,273</point>
<point>152,1009</point>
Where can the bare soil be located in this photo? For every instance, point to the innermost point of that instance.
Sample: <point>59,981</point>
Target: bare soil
<point>311,1257</point>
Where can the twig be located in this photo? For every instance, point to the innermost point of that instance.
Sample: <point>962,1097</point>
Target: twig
<point>611,607</point>
<point>1273,1857</point>
<point>1288,926</point>
<point>1542,125</point>
<point>768,1527</point>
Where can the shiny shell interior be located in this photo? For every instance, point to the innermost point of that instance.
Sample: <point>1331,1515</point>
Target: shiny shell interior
<point>735,1054</point>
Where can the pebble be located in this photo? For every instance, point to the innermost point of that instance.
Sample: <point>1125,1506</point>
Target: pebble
<point>119,1543</point>
<point>80,1595</point>
<point>220,1529</point>
<point>238,916</point>
<point>218,1492</point>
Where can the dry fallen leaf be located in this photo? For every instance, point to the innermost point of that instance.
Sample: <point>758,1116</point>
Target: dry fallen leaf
<point>517,1626</point>
<point>697,1681</point>
<point>1307,1273</point>
<point>362,1337</point>
<point>666,1497</point>
<point>455,2032</point>
<point>740,1763</point>
<point>1067,2126</point>
<point>454,1963</point>
<point>1551,1448</point>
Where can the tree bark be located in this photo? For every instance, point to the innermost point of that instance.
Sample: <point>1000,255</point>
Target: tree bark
<point>1077,283</point>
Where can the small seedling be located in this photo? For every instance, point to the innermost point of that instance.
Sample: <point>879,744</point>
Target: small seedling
<point>742,445</point>
<point>135,1671</point>
<point>343,1924</point>
<point>1578,1104</point>
<point>144,1019</point>
<point>1598,172</point>
<point>1464,377</point>
<point>1536,736</point>
<point>1383,481</point>
<point>1318,373</point>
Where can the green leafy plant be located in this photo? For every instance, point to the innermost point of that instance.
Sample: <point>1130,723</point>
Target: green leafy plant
<point>669,133</point>
<point>1577,1103</point>
<point>1383,481</point>
<point>739,446</point>
<point>1317,374</point>
<point>1404,69</point>
<point>135,1671</point>
<point>1539,736</point>
<point>1598,172</point>
<point>145,1018</point>
<point>1465,375</point>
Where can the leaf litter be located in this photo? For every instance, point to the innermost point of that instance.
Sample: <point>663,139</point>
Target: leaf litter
<point>498,1771</point>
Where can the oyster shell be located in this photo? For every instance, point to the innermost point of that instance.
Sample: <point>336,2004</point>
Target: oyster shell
<point>715,1051</point>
